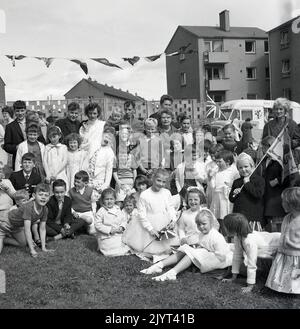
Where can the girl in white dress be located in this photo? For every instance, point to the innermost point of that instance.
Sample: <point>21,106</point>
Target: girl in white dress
<point>91,130</point>
<point>110,223</point>
<point>155,213</point>
<point>77,158</point>
<point>212,251</point>
<point>55,156</point>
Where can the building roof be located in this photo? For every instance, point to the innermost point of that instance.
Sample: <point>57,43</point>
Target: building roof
<point>234,33</point>
<point>285,24</point>
<point>1,81</point>
<point>111,91</point>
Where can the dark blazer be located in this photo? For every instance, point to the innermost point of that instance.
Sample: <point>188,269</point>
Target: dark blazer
<point>19,182</point>
<point>67,126</point>
<point>66,215</point>
<point>249,201</point>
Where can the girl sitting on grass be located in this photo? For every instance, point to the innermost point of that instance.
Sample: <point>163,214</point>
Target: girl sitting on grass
<point>110,223</point>
<point>212,251</point>
<point>248,246</point>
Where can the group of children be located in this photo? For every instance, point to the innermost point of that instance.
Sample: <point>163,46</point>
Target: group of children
<point>175,197</point>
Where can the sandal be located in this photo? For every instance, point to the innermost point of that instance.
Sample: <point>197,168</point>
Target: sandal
<point>38,243</point>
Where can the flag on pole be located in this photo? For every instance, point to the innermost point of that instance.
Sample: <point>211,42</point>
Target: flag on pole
<point>211,107</point>
<point>105,61</point>
<point>281,151</point>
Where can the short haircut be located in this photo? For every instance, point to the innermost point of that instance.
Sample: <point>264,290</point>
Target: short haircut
<point>108,191</point>
<point>9,110</point>
<point>117,110</point>
<point>207,145</point>
<point>130,199</point>
<point>245,157</point>
<point>28,157</point>
<point>90,107</point>
<point>206,213</point>
<point>196,191</point>
<point>21,195</point>
<point>226,155</point>
<point>42,187</point>
<point>150,121</point>
<point>184,117</point>
<point>206,127</point>
<point>82,175</point>
<point>291,196</point>
<point>73,106</point>
<point>215,148</point>
<point>166,98</point>
<point>166,111</point>
<point>32,127</point>
<point>282,102</point>
<point>141,179</point>
<point>58,183</point>
<point>73,137</point>
<point>128,103</point>
<point>238,224</point>
<point>229,126</point>
<point>162,172</point>
<point>54,130</point>
<point>19,105</point>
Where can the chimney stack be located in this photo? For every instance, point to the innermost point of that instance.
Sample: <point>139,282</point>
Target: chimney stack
<point>224,20</point>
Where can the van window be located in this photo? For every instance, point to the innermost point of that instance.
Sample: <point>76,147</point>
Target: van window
<point>247,114</point>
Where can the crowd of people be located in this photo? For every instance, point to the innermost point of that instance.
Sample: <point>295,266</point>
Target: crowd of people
<point>162,189</point>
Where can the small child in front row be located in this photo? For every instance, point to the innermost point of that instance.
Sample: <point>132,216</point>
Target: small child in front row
<point>141,184</point>
<point>110,223</point>
<point>81,197</point>
<point>248,246</point>
<point>21,219</point>
<point>284,275</point>
<point>129,208</point>
<point>212,251</point>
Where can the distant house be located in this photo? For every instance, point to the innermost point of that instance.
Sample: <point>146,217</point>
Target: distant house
<point>225,62</point>
<point>88,90</point>
<point>2,92</point>
<point>285,60</point>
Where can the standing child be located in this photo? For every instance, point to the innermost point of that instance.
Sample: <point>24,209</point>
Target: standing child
<point>110,223</point>
<point>155,213</point>
<point>81,197</point>
<point>55,156</point>
<point>77,158</point>
<point>284,275</point>
<point>129,208</point>
<point>212,251</point>
<point>186,130</point>
<point>248,246</point>
<point>21,220</point>
<point>222,182</point>
<point>141,184</point>
<point>247,192</point>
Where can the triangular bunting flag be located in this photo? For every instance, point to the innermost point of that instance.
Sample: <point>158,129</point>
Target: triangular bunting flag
<point>132,60</point>
<point>152,58</point>
<point>81,64</point>
<point>46,60</point>
<point>105,61</point>
<point>13,58</point>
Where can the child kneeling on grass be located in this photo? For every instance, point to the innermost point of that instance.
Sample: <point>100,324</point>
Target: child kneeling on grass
<point>21,219</point>
<point>110,224</point>
<point>212,251</point>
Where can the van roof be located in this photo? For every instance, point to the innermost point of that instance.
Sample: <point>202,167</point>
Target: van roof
<point>252,102</point>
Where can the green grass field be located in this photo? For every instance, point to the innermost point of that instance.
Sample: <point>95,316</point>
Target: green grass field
<point>77,276</point>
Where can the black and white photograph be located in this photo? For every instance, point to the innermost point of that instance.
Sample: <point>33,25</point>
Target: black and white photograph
<point>150,157</point>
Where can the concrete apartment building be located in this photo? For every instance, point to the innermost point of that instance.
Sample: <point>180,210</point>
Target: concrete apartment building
<point>227,62</point>
<point>284,45</point>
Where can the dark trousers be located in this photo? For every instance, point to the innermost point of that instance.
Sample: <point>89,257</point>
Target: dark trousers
<point>52,229</point>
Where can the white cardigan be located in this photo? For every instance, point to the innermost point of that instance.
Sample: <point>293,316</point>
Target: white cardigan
<point>22,149</point>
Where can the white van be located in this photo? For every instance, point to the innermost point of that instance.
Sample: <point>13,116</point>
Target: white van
<point>257,110</point>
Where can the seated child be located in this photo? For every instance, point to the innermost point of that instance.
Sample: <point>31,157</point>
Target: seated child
<point>110,223</point>
<point>212,251</point>
<point>21,220</point>
<point>248,246</point>
<point>60,222</point>
<point>129,208</point>
<point>28,177</point>
<point>81,197</point>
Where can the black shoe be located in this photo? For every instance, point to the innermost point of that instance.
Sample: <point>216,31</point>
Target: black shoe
<point>38,243</point>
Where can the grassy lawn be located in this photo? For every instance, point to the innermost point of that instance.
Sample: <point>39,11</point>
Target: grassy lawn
<point>76,276</point>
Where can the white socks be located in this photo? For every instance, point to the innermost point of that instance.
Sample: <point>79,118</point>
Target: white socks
<point>156,268</point>
<point>168,276</point>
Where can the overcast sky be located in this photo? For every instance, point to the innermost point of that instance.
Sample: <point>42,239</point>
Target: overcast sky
<point>111,29</point>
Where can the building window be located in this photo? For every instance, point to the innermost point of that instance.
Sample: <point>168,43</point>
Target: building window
<point>184,106</point>
<point>266,45</point>
<point>214,73</point>
<point>287,93</point>
<point>183,79</point>
<point>285,67</point>
<point>251,73</point>
<point>182,57</point>
<point>251,96</point>
<point>189,101</point>
<point>250,47</point>
<point>267,72</point>
<point>284,39</point>
<point>213,45</point>
<point>268,95</point>
<point>175,106</point>
<point>198,116</point>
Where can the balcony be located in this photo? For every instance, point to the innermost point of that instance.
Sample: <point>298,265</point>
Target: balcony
<point>216,57</point>
<point>219,84</point>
